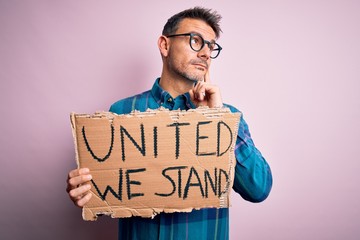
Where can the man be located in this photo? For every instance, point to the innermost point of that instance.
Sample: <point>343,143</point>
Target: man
<point>187,46</point>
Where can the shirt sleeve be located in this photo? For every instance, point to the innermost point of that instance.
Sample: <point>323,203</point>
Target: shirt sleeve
<point>253,177</point>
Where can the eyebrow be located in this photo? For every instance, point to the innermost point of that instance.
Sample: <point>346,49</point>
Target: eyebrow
<point>212,40</point>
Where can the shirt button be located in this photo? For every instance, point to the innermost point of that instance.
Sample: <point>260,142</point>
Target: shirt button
<point>170,100</point>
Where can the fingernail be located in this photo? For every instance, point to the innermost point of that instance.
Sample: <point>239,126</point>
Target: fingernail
<point>88,177</point>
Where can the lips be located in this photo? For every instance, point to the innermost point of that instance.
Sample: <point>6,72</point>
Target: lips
<point>200,65</point>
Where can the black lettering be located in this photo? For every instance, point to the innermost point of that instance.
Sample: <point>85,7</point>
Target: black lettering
<point>155,142</point>
<point>109,189</point>
<point>190,184</point>
<point>141,149</point>
<point>177,136</point>
<point>218,138</point>
<point>198,137</point>
<point>223,172</point>
<point>179,168</point>
<point>213,183</point>
<point>129,182</point>
<point>90,150</point>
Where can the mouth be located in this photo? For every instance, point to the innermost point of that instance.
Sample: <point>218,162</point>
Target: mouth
<point>200,66</point>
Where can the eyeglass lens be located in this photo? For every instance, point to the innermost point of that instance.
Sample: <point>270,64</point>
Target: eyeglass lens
<point>197,43</point>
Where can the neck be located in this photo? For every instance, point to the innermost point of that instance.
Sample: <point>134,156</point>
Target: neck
<point>175,85</point>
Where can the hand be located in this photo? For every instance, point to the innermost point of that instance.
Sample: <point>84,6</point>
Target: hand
<point>204,93</point>
<point>78,187</point>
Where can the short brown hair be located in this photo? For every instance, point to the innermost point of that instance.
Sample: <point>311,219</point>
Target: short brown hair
<point>212,18</point>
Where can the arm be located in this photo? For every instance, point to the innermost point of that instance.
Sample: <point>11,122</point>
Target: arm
<point>253,178</point>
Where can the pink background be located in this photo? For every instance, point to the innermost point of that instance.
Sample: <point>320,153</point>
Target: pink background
<point>292,67</point>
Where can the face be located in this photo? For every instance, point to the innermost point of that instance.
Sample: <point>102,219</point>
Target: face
<point>182,60</point>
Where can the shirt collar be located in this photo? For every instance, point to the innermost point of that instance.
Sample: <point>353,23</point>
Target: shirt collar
<point>161,96</point>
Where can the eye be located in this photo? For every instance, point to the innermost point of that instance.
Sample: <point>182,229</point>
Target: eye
<point>195,40</point>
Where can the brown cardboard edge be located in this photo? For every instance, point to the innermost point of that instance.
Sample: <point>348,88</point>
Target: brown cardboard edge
<point>232,161</point>
<point>73,128</point>
<point>122,212</point>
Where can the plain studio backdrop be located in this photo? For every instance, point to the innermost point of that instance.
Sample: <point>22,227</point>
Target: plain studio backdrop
<point>292,67</point>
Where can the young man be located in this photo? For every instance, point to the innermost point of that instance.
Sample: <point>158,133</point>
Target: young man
<point>187,46</point>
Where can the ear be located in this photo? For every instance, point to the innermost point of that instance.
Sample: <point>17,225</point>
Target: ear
<point>163,44</point>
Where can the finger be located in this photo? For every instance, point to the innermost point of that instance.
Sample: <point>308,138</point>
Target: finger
<point>79,191</point>
<point>75,181</point>
<point>77,172</point>
<point>199,90</point>
<point>193,91</point>
<point>213,96</point>
<point>207,76</point>
<point>192,95</point>
<point>82,201</point>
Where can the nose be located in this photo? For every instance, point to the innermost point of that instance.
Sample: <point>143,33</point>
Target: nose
<point>205,52</point>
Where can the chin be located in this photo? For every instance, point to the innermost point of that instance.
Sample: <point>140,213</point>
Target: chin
<point>195,79</point>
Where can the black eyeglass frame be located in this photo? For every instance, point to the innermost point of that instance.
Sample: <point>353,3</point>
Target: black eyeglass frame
<point>217,48</point>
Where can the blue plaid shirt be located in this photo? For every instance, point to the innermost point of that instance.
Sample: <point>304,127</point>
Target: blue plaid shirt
<point>253,180</point>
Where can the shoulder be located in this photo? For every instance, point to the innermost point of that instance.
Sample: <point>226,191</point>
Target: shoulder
<point>232,108</point>
<point>126,105</point>
<point>243,124</point>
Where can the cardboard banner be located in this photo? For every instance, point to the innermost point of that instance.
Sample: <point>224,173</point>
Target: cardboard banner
<point>145,163</point>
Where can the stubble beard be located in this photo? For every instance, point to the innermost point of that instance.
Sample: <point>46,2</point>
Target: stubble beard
<point>186,73</point>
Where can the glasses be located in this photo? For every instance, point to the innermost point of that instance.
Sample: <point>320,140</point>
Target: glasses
<point>197,43</point>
